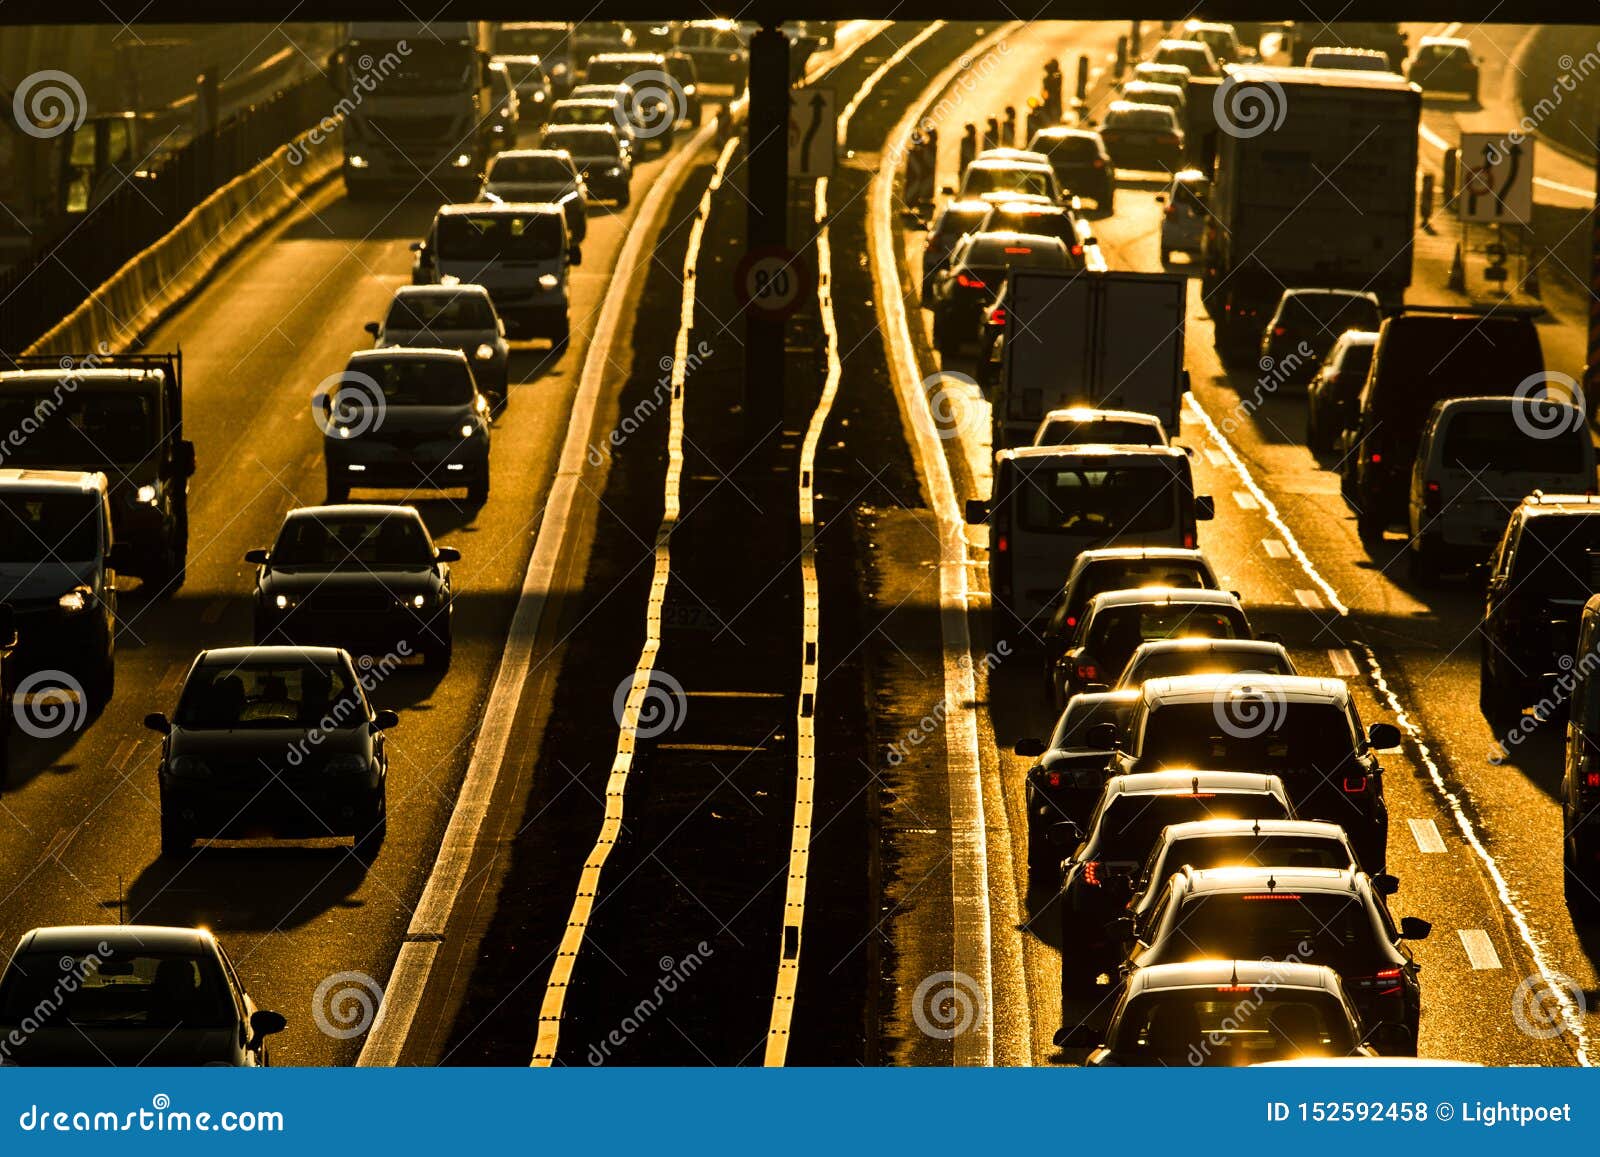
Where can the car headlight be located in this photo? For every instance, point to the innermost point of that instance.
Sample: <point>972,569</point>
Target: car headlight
<point>614,171</point>
<point>462,160</point>
<point>688,90</point>
<point>283,602</point>
<point>484,352</point>
<point>75,601</point>
<point>548,281</point>
<point>538,98</point>
<point>351,764</point>
<point>356,161</point>
<point>468,429</point>
<point>189,767</point>
<point>146,495</point>
<point>419,601</point>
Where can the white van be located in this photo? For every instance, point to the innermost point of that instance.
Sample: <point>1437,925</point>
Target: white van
<point>518,251</point>
<point>1478,459</point>
<point>1050,503</point>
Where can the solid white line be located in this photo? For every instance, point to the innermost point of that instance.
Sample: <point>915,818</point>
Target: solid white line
<point>1344,663</point>
<point>905,50</point>
<point>1426,833</point>
<point>403,994</point>
<point>1571,1013</point>
<point>1480,949</point>
<point>973,939</point>
<point>1274,548</point>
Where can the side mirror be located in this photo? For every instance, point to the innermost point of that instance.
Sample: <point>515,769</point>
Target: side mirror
<point>575,255</point>
<point>383,720</point>
<point>947,191</point>
<point>265,1023</point>
<point>372,328</point>
<point>447,554</point>
<point>1079,1036</point>
<point>1103,736</point>
<point>257,557</point>
<point>1205,507</point>
<point>1028,748</point>
<point>1385,885</point>
<point>158,722</point>
<point>1382,736</point>
<point>977,511</point>
<point>1413,928</point>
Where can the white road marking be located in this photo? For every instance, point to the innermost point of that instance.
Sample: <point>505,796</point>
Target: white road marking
<point>1344,663</point>
<point>1426,833</point>
<point>1246,500</point>
<point>1216,457</point>
<point>849,110</point>
<point>1311,600</point>
<point>1480,949</point>
<point>1274,548</point>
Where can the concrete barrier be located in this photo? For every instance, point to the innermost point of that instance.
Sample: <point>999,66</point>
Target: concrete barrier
<point>136,297</point>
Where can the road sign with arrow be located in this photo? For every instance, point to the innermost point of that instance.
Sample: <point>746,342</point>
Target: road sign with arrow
<point>1496,179</point>
<point>813,125</point>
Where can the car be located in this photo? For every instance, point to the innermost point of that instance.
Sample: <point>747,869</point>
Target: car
<point>1002,175</point>
<point>1303,728</point>
<point>1386,37</point>
<point>550,40</point>
<point>121,415</point>
<point>1156,73</point>
<point>593,38</point>
<point>653,35</point>
<point>507,111</point>
<point>548,176</point>
<point>1477,460</point>
<point>1221,38</point>
<point>1038,218</point>
<point>1224,1013</point>
<point>1580,779</point>
<point>1184,214</point>
<point>1353,59</point>
<point>535,93</point>
<point>606,167</point>
<point>1117,568</point>
<point>274,740</point>
<point>648,89</point>
<point>718,50</point>
<point>1050,503</point>
<point>459,317</point>
<point>1444,64</point>
<point>1539,577</point>
<point>1096,879</point>
<point>1333,397</point>
<point>1068,772</point>
<point>1165,658</point>
<point>1143,136</point>
<point>681,67</point>
<point>1151,92</point>
<point>1195,55</point>
<point>368,578</point>
<point>1081,164</point>
<point>434,427</point>
<point>978,265</point>
<point>594,112</point>
<point>129,995</point>
<point>954,220</point>
<point>1421,358</point>
<point>1305,325</point>
<point>1009,153</point>
<point>58,575</point>
<point>1115,622</point>
<point>1279,913</point>
<point>1084,425</point>
<point>517,250</point>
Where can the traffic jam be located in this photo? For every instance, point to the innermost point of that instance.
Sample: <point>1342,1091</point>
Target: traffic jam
<point>1104,570</point>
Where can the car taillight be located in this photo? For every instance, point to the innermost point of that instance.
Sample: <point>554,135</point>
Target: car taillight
<point>1088,672</point>
<point>1278,331</point>
<point>1003,545</point>
<point>1188,540</point>
<point>1355,784</point>
<point>1055,779</point>
<point>1019,249</point>
<point>1385,983</point>
<point>1077,250</point>
<point>1099,163</point>
<point>1072,620</point>
<point>1091,873</point>
<point>998,317</point>
<point>1430,499</point>
<point>968,282</point>
<point>1170,211</point>
<point>1592,779</point>
<point>1376,458</point>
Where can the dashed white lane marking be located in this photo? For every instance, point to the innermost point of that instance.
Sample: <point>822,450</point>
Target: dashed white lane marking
<point>1344,663</point>
<point>1426,833</point>
<point>1216,457</point>
<point>1480,949</point>
<point>1246,500</point>
<point>1274,548</point>
<point>1311,600</point>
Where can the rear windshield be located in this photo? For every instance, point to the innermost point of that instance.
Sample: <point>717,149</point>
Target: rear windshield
<point>500,236</point>
<point>428,381</point>
<point>996,254</point>
<point>1129,826</point>
<point>1121,575</point>
<point>1167,663</point>
<point>954,222</point>
<point>1067,150</point>
<point>157,992</point>
<point>1058,225</point>
<point>1360,61</point>
<point>1098,501</point>
<point>535,168</point>
<point>49,527</point>
<point>1065,432</point>
<point>1320,927</point>
<point>289,694</point>
<point>1116,632</point>
<point>1264,735</point>
<point>424,311</point>
<point>1193,57</point>
<point>1330,313</point>
<point>1232,1027</point>
<point>1499,440</point>
<point>352,543</point>
<point>1145,119</point>
<point>581,144</point>
<point>1558,555</point>
<point>1260,851</point>
<point>588,112</point>
<point>81,428</point>
<point>1003,179</point>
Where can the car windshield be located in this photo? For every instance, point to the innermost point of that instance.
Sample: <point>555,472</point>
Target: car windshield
<point>1147,118</point>
<point>1000,253</point>
<point>1099,501</point>
<point>1232,1026</point>
<point>1112,431</point>
<point>603,146</point>
<point>1258,850</point>
<point>1331,928</point>
<point>514,41</point>
<point>430,381</point>
<point>589,112</point>
<point>49,527</point>
<point>353,543</point>
<point>1559,556</point>
<point>527,169</point>
<point>1064,150</point>
<point>440,311</point>
<point>80,428</point>
<point>1128,827</point>
<point>1169,662</point>
<point>1329,314</point>
<point>128,989</point>
<point>500,236</point>
<point>1006,179</point>
<point>1504,441</point>
<point>1251,734</point>
<point>280,693</point>
<point>1116,632</point>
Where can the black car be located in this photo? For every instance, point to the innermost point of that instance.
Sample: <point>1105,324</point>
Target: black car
<point>978,266</point>
<point>1306,324</point>
<point>1542,572</point>
<point>1083,167</point>
<point>954,221</point>
<point>1069,771</point>
<point>366,578</point>
<point>459,317</point>
<point>1143,136</point>
<point>280,741</point>
<point>1333,399</point>
<point>1444,64</point>
<point>606,167</point>
<point>1422,358</point>
<point>681,67</point>
<point>128,995</point>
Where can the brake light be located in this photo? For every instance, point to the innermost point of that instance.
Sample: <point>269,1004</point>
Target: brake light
<point>968,282</point>
<point>1077,250</point>
<point>1088,672</point>
<point>1376,458</point>
<point>1430,499</point>
<point>1023,249</point>
<point>1172,211</point>
<point>1278,331</point>
<point>1248,896</point>
<point>1072,620</point>
<point>1091,873</point>
<point>1188,540</point>
<point>1387,982</point>
<point>998,317</point>
<point>1099,164</point>
<point>1234,988</point>
<point>1003,545</point>
<point>1355,785</point>
<point>1055,779</point>
<point>1592,779</point>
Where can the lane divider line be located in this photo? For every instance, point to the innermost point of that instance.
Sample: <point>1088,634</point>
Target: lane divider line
<point>1274,548</point>
<point>861,94</point>
<point>1344,663</point>
<point>559,983</point>
<point>1426,833</point>
<point>1571,1014</point>
<point>1480,949</point>
<point>409,977</point>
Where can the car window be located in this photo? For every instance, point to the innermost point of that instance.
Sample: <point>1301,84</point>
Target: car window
<point>1320,927</point>
<point>127,990</point>
<point>500,236</point>
<point>44,527</point>
<point>1354,361</point>
<point>1330,313</point>
<point>352,543</point>
<point>1098,501</point>
<point>1165,664</point>
<point>996,179</point>
<point>540,167</point>
<point>430,381</point>
<point>420,311</point>
<point>1300,738</point>
<point>582,144</point>
<point>1146,118</point>
<point>1500,440</point>
<point>1233,1026</point>
<point>267,694</point>
<point>1067,149</point>
<point>1129,825</point>
<point>1558,554</point>
<point>992,253</point>
<point>1125,574</point>
<point>1257,850</point>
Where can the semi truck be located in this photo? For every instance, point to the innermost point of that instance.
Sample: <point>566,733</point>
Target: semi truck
<point>1111,340</point>
<point>1317,191</point>
<point>415,104</point>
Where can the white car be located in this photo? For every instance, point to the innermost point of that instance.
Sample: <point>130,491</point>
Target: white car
<point>1184,214</point>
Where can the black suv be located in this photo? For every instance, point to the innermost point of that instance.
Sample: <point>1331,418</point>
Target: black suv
<point>1544,569</point>
<point>1422,358</point>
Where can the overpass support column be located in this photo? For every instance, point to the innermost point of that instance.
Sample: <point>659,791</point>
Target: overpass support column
<point>767,185</point>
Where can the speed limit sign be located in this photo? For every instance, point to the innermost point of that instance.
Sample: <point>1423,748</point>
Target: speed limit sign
<point>771,280</point>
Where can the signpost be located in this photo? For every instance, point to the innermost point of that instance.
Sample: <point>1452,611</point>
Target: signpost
<point>813,128</point>
<point>1496,178</point>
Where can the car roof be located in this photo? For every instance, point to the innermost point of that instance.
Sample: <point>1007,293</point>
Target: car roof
<point>1130,553</point>
<point>355,510</point>
<point>460,288</point>
<point>1207,829</point>
<point>104,376</point>
<point>1210,973</point>
<point>1490,402</point>
<point>1279,688</point>
<point>117,937</point>
<point>1090,452</point>
<point>1541,505</point>
<point>1246,646</point>
<point>1151,86</point>
<point>1016,238</point>
<point>1025,164</point>
<point>1185,781</point>
<point>1250,878</point>
<point>1328,291</point>
<point>61,481</point>
<point>1131,106</point>
<point>407,354</point>
<point>1063,131</point>
<point>502,209</point>
<point>1180,42</point>
<point>1091,414</point>
<point>1095,698</point>
<point>1359,337</point>
<point>1207,26</point>
<point>226,656</point>
<point>534,153</point>
<point>1445,42</point>
<point>1136,596</point>
<point>1325,77</point>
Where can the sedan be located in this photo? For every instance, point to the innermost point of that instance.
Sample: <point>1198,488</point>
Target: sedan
<point>1165,658</point>
<point>1143,136</point>
<point>978,266</point>
<point>459,317</point>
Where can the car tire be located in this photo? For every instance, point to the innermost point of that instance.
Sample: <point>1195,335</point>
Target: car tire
<point>478,489</point>
<point>623,198</point>
<point>560,339</point>
<point>1369,528</point>
<point>172,571</point>
<point>1581,886</point>
<point>176,840</point>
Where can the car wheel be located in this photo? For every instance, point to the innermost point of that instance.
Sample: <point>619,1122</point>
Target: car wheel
<point>478,489</point>
<point>559,340</point>
<point>1369,527</point>
<point>176,840</point>
<point>623,198</point>
<point>1581,884</point>
<point>169,574</point>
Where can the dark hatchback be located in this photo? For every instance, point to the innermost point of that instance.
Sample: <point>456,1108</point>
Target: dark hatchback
<point>1081,163</point>
<point>277,741</point>
<point>366,578</point>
